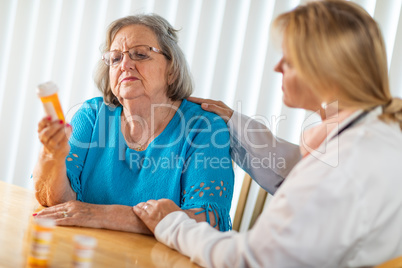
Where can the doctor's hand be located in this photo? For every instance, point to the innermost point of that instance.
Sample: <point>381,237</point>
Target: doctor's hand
<point>153,211</point>
<point>217,107</point>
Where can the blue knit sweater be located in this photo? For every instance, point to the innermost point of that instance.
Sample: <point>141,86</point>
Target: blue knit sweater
<point>189,162</point>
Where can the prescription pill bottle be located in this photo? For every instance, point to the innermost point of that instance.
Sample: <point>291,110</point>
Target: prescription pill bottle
<point>41,238</point>
<point>47,92</point>
<point>83,251</point>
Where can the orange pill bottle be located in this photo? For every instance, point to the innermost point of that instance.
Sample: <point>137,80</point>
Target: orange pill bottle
<point>83,251</point>
<point>47,92</point>
<point>41,239</point>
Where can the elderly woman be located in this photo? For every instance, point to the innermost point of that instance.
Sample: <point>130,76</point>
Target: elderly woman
<point>141,141</point>
<point>340,206</point>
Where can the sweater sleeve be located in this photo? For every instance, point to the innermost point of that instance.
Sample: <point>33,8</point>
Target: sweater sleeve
<point>208,178</point>
<point>80,141</point>
<point>266,158</point>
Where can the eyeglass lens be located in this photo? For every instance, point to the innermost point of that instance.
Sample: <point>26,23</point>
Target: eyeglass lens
<point>136,53</point>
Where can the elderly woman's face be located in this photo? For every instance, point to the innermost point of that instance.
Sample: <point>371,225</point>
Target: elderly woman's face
<point>296,92</point>
<point>131,79</point>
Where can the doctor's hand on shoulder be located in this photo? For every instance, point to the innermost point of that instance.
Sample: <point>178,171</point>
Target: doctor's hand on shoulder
<point>217,107</point>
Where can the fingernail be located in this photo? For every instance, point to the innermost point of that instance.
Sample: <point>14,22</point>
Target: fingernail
<point>34,214</point>
<point>49,118</point>
<point>61,121</point>
<point>68,125</point>
<point>204,105</point>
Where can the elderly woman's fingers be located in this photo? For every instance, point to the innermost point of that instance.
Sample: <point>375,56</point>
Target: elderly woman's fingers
<point>63,217</point>
<point>74,213</point>
<point>216,107</point>
<point>54,215</point>
<point>54,210</point>
<point>54,136</point>
<point>60,136</point>
<point>44,122</point>
<point>48,132</point>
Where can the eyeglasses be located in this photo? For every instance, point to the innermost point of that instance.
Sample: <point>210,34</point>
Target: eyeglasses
<point>137,53</point>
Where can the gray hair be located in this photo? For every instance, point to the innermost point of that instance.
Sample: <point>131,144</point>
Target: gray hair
<point>182,85</point>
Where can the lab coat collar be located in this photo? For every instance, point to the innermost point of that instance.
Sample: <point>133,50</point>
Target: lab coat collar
<point>373,113</point>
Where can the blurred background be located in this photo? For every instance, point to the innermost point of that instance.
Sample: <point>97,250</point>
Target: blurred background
<point>227,44</point>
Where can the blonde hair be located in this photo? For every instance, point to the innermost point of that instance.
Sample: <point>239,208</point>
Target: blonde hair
<point>338,49</point>
<point>182,85</point>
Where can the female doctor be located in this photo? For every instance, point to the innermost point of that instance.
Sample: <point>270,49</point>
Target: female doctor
<point>340,208</point>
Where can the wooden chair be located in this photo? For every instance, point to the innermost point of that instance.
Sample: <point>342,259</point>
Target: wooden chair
<point>253,198</point>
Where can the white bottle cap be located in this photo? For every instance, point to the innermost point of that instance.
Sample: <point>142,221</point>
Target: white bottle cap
<point>46,89</point>
<point>85,241</point>
<point>47,223</point>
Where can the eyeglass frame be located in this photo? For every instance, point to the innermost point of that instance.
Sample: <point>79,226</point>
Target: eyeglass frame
<point>154,49</point>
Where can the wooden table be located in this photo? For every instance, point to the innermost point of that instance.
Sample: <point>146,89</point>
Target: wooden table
<point>114,249</point>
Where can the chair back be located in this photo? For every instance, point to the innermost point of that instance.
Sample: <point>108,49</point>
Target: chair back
<point>251,202</point>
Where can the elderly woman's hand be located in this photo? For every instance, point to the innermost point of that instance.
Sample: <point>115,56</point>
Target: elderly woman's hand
<point>153,211</point>
<point>54,136</point>
<point>217,107</point>
<point>75,213</point>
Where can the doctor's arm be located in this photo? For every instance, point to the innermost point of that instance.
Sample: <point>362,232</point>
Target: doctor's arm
<point>266,158</point>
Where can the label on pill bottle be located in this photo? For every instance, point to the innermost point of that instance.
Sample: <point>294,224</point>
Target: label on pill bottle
<point>47,92</point>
